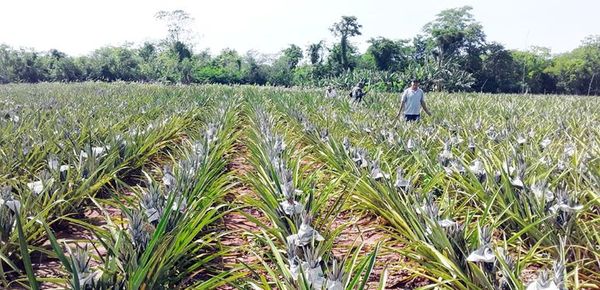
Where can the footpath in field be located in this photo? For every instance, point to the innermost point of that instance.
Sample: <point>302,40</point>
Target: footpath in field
<point>239,228</point>
<point>364,228</point>
<point>367,228</point>
<point>235,223</point>
<point>73,235</point>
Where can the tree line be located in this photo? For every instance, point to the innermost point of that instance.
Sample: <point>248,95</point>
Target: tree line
<point>450,54</point>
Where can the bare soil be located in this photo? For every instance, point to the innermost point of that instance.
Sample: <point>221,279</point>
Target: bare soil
<point>236,223</point>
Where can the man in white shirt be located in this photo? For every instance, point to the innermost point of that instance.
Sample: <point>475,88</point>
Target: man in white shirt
<point>413,99</point>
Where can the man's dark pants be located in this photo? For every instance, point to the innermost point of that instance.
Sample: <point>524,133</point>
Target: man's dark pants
<point>411,118</point>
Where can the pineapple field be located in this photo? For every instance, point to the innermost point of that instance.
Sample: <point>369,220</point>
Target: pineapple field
<point>147,186</point>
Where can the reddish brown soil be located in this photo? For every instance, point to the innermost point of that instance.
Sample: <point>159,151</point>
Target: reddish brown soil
<point>73,235</point>
<point>236,223</point>
<point>367,230</point>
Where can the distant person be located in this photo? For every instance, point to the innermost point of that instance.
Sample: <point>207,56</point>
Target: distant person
<point>330,92</point>
<point>358,92</point>
<point>413,98</point>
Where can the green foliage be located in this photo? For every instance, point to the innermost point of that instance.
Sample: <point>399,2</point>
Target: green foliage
<point>114,63</point>
<point>315,53</point>
<point>451,54</point>
<point>176,22</point>
<point>455,31</point>
<point>487,191</point>
<point>20,65</point>
<point>342,60</point>
<point>254,69</point>
<point>292,55</point>
<point>216,75</point>
<point>346,28</point>
<point>529,204</point>
<point>455,43</point>
<point>389,54</point>
<point>532,68</point>
<point>70,164</point>
<point>578,72</point>
<point>499,71</point>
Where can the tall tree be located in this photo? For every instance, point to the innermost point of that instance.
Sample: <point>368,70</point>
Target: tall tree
<point>388,54</point>
<point>456,35</point>
<point>346,28</point>
<point>147,51</point>
<point>255,69</point>
<point>315,53</point>
<point>177,22</point>
<point>455,30</point>
<point>531,66</point>
<point>335,59</point>
<point>114,63</point>
<point>179,35</point>
<point>578,71</point>
<point>293,55</point>
<point>499,71</point>
<point>230,59</point>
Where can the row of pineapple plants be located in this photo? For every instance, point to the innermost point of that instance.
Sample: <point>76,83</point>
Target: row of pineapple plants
<point>168,236</point>
<point>74,157</point>
<point>493,191</point>
<point>298,214</point>
<point>422,172</point>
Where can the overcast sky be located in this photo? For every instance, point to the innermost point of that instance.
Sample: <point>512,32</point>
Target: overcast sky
<point>80,26</point>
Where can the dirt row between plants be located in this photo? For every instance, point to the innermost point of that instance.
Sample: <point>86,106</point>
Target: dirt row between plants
<point>237,225</point>
<point>361,228</point>
<point>367,230</point>
<point>75,235</point>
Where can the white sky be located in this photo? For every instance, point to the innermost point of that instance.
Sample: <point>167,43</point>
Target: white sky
<point>80,26</point>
